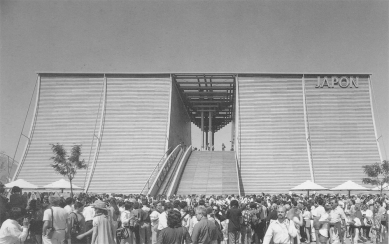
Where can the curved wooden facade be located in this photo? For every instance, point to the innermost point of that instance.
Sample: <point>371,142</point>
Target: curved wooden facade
<point>288,127</point>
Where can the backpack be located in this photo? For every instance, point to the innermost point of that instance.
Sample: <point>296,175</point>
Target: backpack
<point>246,218</point>
<point>76,228</point>
<point>122,233</point>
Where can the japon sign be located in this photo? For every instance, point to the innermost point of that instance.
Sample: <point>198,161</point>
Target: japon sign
<point>334,81</point>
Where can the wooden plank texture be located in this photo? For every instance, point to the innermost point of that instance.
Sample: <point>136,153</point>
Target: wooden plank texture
<point>68,109</point>
<point>342,132</point>
<point>273,151</point>
<point>134,133</point>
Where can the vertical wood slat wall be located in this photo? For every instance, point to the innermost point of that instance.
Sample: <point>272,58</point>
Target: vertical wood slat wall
<point>273,152</point>
<point>273,149</point>
<point>134,133</point>
<point>67,112</point>
<point>341,130</point>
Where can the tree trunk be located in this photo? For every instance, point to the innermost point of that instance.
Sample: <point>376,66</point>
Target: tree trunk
<point>71,188</point>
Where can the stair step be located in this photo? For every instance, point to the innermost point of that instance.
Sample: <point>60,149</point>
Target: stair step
<point>209,173</point>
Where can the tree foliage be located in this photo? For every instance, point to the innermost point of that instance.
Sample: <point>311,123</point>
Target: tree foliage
<point>67,165</point>
<point>377,175</point>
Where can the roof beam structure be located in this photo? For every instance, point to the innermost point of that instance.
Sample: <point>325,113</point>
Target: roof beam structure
<point>207,93</point>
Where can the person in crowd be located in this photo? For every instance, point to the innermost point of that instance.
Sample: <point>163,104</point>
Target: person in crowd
<point>282,230</point>
<point>69,205</point>
<point>135,219</point>
<point>3,204</point>
<point>102,231</point>
<point>204,231</point>
<point>185,214</point>
<point>316,214</point>
<point>114,212</point>
<point>234,215</point>
<point>162,223</point>
<point>262,216</point>
<point>35,211</point>
<point>383,216</point>
<point>295,215</point>
<point>76,224</point>
<point>55,217</point>
<point>145,226</point>
<point>375,227</point>
<point>156,209</point>
<point>175,233</point>
<point>88,213</point>
<point>125,218</point>
<point>338,219</point>
<point>324,221</point>
<point>272,213</point>
<point>11,232</point>
<point>17,200</point>
<point>307,223</point>
<point>245,228</point>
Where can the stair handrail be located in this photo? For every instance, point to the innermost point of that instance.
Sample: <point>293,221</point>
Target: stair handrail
<point>237,172</point>
<point>164,170</point>
<point>156,167</point>
<point>178,174</point>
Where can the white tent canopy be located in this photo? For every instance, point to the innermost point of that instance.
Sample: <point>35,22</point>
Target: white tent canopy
<point>22,184</point>
<point>350,186</point>
<point>385,186</point>
<point>308,186</point>
<point>61,184</point>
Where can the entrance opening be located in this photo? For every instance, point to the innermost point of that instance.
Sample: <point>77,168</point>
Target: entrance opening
<point>209,100</point>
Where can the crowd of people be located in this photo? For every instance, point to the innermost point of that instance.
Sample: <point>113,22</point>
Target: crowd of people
<point>138,219</point>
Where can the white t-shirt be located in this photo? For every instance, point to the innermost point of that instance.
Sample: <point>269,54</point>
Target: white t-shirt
<point>162,224</point>
<point>320,211</point>
<point>369,213</point>
<point>68,209</point>
<point>154,217</point>
<point>11,232</point>
<point>89,213</point>
<point>324,228</point>
<point>59,216</point>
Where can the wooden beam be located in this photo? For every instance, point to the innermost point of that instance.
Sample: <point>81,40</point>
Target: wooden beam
<point>211,101</point>
<point>207,88</point>
<point>206,93</point>
<point>203,82</point>
<point>204,77</point>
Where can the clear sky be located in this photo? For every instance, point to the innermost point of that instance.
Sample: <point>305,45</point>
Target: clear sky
<point>188,36</point>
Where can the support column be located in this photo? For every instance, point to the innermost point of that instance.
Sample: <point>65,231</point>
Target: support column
<point>202,130</point>
<point>206,140</point>
<point>213,139</point>
<point>210,129</point>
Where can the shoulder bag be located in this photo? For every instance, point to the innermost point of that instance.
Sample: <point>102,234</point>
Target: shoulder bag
<point>50,231</point>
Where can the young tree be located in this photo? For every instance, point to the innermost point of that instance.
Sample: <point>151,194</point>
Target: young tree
<point>67,166</point>
<point>378,175</point>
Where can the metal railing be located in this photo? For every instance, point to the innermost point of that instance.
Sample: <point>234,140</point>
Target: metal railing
<point>164,171</point>
<point>155,171</point>
<point>238,173</point>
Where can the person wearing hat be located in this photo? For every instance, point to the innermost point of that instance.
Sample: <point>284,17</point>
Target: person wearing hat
<point>11,232</point>
<point>55,217</point>
<point>102,225</point>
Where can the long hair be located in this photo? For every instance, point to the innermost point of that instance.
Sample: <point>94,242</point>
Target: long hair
<point>174,219</point>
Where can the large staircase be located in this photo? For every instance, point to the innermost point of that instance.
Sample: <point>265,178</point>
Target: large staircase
<point>210,173</point>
